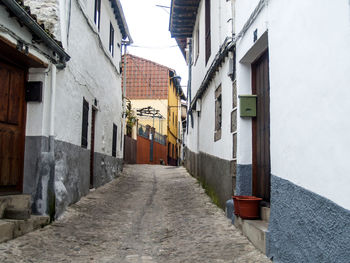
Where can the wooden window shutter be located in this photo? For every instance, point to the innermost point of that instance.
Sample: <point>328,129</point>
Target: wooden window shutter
<point>114,144</point>
<point>207,31</point>
<point>85,124</point>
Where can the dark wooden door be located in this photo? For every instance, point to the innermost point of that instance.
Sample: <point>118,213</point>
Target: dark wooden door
<point>92,152</point>
<point>12,128</point>
<point>261,129</point>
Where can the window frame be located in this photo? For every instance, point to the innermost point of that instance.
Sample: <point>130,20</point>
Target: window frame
<point>207,31</point>
<point>97,14</point>
<point>85,124</point>
<point>218,113</point>
<point>114,140</point>
<point>111,39</point>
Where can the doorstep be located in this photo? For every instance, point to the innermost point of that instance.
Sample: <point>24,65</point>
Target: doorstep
<point>255,230</point>
<point>12,228</point>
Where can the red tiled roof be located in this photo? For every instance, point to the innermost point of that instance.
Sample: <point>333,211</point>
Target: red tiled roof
<point>146,79</point>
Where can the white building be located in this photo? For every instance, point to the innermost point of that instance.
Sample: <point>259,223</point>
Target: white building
<point>209,139</point>
<point>72,133</point>
<point>294,55</point>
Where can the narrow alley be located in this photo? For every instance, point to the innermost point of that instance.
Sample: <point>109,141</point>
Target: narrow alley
<point>148,214</point>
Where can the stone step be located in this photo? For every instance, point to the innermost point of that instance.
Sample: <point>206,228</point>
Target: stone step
<point>13,213</point>
<point>10,229</point>
<point>15,206</point>
<point>265,213</point>
<point>254,230</point>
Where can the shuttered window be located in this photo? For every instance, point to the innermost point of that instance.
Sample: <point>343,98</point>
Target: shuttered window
<point>85,124</point>
<point>97,15</point>
<point>111,39</point>
<point>218,113</point>
<point>114,143</point>
<point>207,31</point>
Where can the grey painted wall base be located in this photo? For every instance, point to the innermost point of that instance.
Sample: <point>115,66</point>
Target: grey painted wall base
<point>72,174</point>
<point>306,227</point>
<point>60,178</point>
<point>244,179</point>
<point>216,173</point>
<point>106,168</point>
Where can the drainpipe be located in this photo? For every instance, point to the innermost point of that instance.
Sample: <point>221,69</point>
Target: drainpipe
<point>189,111</point>
<point>51,193</point>
<point>52,109</point>
<point>125,44</point>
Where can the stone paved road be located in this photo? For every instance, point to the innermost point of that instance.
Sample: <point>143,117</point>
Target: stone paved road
<point>149,214</point>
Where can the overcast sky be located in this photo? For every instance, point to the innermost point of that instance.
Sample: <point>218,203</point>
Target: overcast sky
<point>149,29</point>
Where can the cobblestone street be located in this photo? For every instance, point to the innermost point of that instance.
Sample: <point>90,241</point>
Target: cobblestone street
<point>149,214</point>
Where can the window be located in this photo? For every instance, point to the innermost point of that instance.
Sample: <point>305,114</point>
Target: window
<point>196,50</point>
<point>97,16</point>
<point>207,31</point>
<point>114,143</point>
<point>85,124</point>
<point>111,39</point>
<point>218,113</point>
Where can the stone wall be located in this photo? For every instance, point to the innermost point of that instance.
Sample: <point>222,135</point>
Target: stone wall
<point>47,13</point>
<point>216,175</point>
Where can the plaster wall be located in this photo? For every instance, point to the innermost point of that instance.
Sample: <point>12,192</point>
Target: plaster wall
<point>223,147</point>
<point>193,133</point>
<point>221,27</point>
<point>308,93</point>
<point>244,10</point>
<point>90,75</point>
<point>309,88</point>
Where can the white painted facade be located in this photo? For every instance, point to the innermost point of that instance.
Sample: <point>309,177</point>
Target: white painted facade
<point>93,74</point>
<point>309,61</point>
<point>200,138</point>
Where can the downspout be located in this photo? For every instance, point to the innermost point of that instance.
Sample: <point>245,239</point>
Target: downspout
<point>189,112</point>
<point>52,109</point>
<point>51,193</point>
<point>125,44</point>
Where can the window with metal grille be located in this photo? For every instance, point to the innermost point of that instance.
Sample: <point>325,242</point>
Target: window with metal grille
<point>111,39</point>
<point>207,31</point>
<point>85,124</point>
<point>97,15</point>
<point>114,143</point>
<point>218,113</point>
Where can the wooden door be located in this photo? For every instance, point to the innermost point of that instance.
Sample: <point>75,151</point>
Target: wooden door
<point>261,128</point>
<point>12,128</point>
<point>92,152</point>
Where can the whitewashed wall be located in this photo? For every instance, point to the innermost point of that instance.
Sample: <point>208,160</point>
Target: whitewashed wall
<point>90,74</point>
<point>223,147</point>
<point>309,86</point>
<point>203,139</point>
<point>221,27</point>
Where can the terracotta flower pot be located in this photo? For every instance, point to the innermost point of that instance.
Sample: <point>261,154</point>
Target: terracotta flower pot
<point>248,206</point>
<point>235,203</point>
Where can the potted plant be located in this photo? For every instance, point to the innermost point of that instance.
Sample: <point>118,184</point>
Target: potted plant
<point>248,206</point>
<point>235,203</point>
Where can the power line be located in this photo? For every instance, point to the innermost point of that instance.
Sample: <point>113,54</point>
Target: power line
<point>154,47</point>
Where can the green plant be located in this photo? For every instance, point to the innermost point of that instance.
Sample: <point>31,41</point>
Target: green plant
<point>130,119</point>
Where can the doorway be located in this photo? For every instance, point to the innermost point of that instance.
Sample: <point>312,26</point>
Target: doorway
<point>261,129</point>
<point>12,127</point>
<point>92,151</point>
